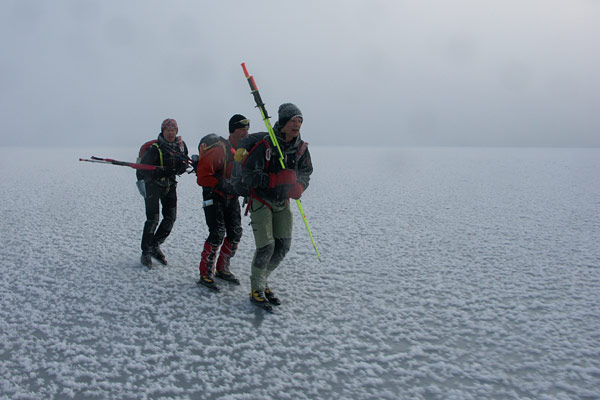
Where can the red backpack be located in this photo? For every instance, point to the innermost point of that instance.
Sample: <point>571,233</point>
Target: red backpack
<point>145,148</point>
<point>153,142</point>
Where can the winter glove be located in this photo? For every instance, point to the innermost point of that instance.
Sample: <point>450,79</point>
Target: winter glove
<point>296,191</point>
<point>181,168</point>
<point>284,177</point>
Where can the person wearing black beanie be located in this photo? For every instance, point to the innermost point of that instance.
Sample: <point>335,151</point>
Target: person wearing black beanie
<point>238,121</point>
<point>286,112</point>
<point>272,188</point>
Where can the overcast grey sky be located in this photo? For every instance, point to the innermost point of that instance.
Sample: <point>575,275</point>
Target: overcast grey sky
<point>413,72</point>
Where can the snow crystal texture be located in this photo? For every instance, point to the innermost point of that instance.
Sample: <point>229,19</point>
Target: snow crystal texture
<point>446,273</point>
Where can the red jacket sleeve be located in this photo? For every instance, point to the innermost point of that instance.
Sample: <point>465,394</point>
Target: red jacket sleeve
<point>208,165</point>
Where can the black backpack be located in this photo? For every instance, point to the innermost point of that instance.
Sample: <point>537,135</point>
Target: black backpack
<point>247,144</point>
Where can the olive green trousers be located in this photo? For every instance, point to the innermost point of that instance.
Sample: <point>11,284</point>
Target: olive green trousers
<point>272,227</point>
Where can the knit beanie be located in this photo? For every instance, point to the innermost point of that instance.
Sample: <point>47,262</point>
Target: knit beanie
<point>169,123</point>
<point>286,112</point>
<point>238,121</point>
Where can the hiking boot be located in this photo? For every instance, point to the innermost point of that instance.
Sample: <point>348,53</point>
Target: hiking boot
<point>146,260</point>
<point>271,298</point>
<point>157,253</point>
<point>208,282</point>
<point>258,297</point>
<point>227,276</point>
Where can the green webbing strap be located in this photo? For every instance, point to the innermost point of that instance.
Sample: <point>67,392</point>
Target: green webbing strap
<point>159,153</point>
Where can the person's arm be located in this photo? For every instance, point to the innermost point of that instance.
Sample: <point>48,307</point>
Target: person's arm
<point>253,171</point>
<point>305,169</point>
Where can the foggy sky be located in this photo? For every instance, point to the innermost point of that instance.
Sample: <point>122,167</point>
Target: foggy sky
<point>427,72</point>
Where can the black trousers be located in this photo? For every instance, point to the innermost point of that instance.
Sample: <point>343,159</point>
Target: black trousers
<point>224,219</point>
<point>156,195</point>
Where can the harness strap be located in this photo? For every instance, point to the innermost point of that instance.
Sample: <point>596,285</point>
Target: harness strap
<point>253,196</point>
<point>159,153</point>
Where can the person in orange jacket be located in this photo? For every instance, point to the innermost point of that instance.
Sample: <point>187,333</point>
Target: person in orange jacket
<point>221,203</point>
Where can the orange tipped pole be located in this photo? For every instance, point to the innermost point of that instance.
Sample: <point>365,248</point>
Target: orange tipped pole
<point>265,116</point>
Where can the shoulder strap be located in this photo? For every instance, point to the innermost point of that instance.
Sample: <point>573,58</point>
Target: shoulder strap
<point>267,151</point>
<point>180,143</point>
<point>155,144</point>
<point>223,144</point>
<point>302,148</point>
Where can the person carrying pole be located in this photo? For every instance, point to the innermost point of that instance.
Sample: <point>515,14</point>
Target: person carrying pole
<point>275,172</point>
<point>160,187</point>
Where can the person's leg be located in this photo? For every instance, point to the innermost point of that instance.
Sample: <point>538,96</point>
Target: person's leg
<point>233,226</point>
<point>169,212</point>
<point>261,219</point>
<point>152,202</point>
<point>216,231</point>
<point>282,233</point>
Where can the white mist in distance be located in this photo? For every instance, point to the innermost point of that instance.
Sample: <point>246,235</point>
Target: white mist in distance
<point>515,73</point>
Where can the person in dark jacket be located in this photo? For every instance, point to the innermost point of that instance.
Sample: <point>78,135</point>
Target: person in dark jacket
<point>170,153</point>
<point>272,187</point>
<point>221,205</point>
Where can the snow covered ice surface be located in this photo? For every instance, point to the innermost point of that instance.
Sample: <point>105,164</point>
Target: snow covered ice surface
<point>446,273</point>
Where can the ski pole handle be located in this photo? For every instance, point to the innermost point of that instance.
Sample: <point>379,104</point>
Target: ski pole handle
<point>250,78</point>
<point>245,70</point>
<point>256,94</point>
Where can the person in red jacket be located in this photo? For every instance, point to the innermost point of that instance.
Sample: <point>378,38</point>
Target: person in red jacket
<point>221,203</point>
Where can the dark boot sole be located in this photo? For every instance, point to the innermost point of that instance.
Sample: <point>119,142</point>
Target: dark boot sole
<point>276,303</point>
<point>234,281</point>
<point>212,287</point>
<point>265,306</point>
